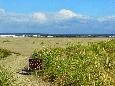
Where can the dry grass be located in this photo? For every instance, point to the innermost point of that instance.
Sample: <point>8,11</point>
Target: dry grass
<point>26,46</point>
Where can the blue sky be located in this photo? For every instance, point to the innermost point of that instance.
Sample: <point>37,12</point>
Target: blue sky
<point>57,16</point>
<point>86,7</point>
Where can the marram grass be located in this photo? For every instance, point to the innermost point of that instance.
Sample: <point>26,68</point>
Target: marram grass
<point>79,65</point>
<point>6,78</point>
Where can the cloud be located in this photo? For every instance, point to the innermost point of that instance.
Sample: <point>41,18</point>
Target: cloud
<point>2,12</point>
<point>68,14</point>
<point>65,14</point>
<point>40,17</point>
<point>106,18</point>
<point>63,21</point>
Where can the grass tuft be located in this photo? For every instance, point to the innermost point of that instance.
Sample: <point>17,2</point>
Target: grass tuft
<point>4,53</point>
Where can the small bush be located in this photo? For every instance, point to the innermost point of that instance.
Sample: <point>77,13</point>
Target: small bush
<point>42,43</point>
<point>4,53</point>
<point>79,65</point>
<point>33,42</point>
<point>6,41</point>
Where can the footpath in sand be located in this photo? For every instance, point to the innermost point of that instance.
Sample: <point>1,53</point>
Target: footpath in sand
<point>14,64</point>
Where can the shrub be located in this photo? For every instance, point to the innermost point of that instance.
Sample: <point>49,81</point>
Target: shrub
<point>6,41</point>
<point>42,43</point>
<point>79,65</point>
<point>4,53</point>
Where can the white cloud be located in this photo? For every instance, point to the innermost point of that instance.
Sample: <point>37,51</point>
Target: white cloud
<point>106,18</point>
<point>65,14</point>
<point>68,14</point>
<point>40,17</point>
<point>2,11</point>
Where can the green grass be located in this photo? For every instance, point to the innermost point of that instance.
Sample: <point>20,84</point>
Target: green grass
<point>79,65</point>
<point>6,78</point>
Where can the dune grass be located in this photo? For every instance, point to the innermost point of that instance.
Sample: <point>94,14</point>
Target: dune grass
<point>5,77</point>
<point>60,70</point>
<point>79,65</point>
<point>26,46</point>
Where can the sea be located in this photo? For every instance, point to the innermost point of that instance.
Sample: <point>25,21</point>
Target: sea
<point>59,35</point>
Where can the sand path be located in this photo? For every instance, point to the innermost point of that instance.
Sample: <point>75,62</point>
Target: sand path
<point>14,64</point>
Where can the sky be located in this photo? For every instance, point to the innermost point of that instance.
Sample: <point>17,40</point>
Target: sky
<point>58,16</point>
